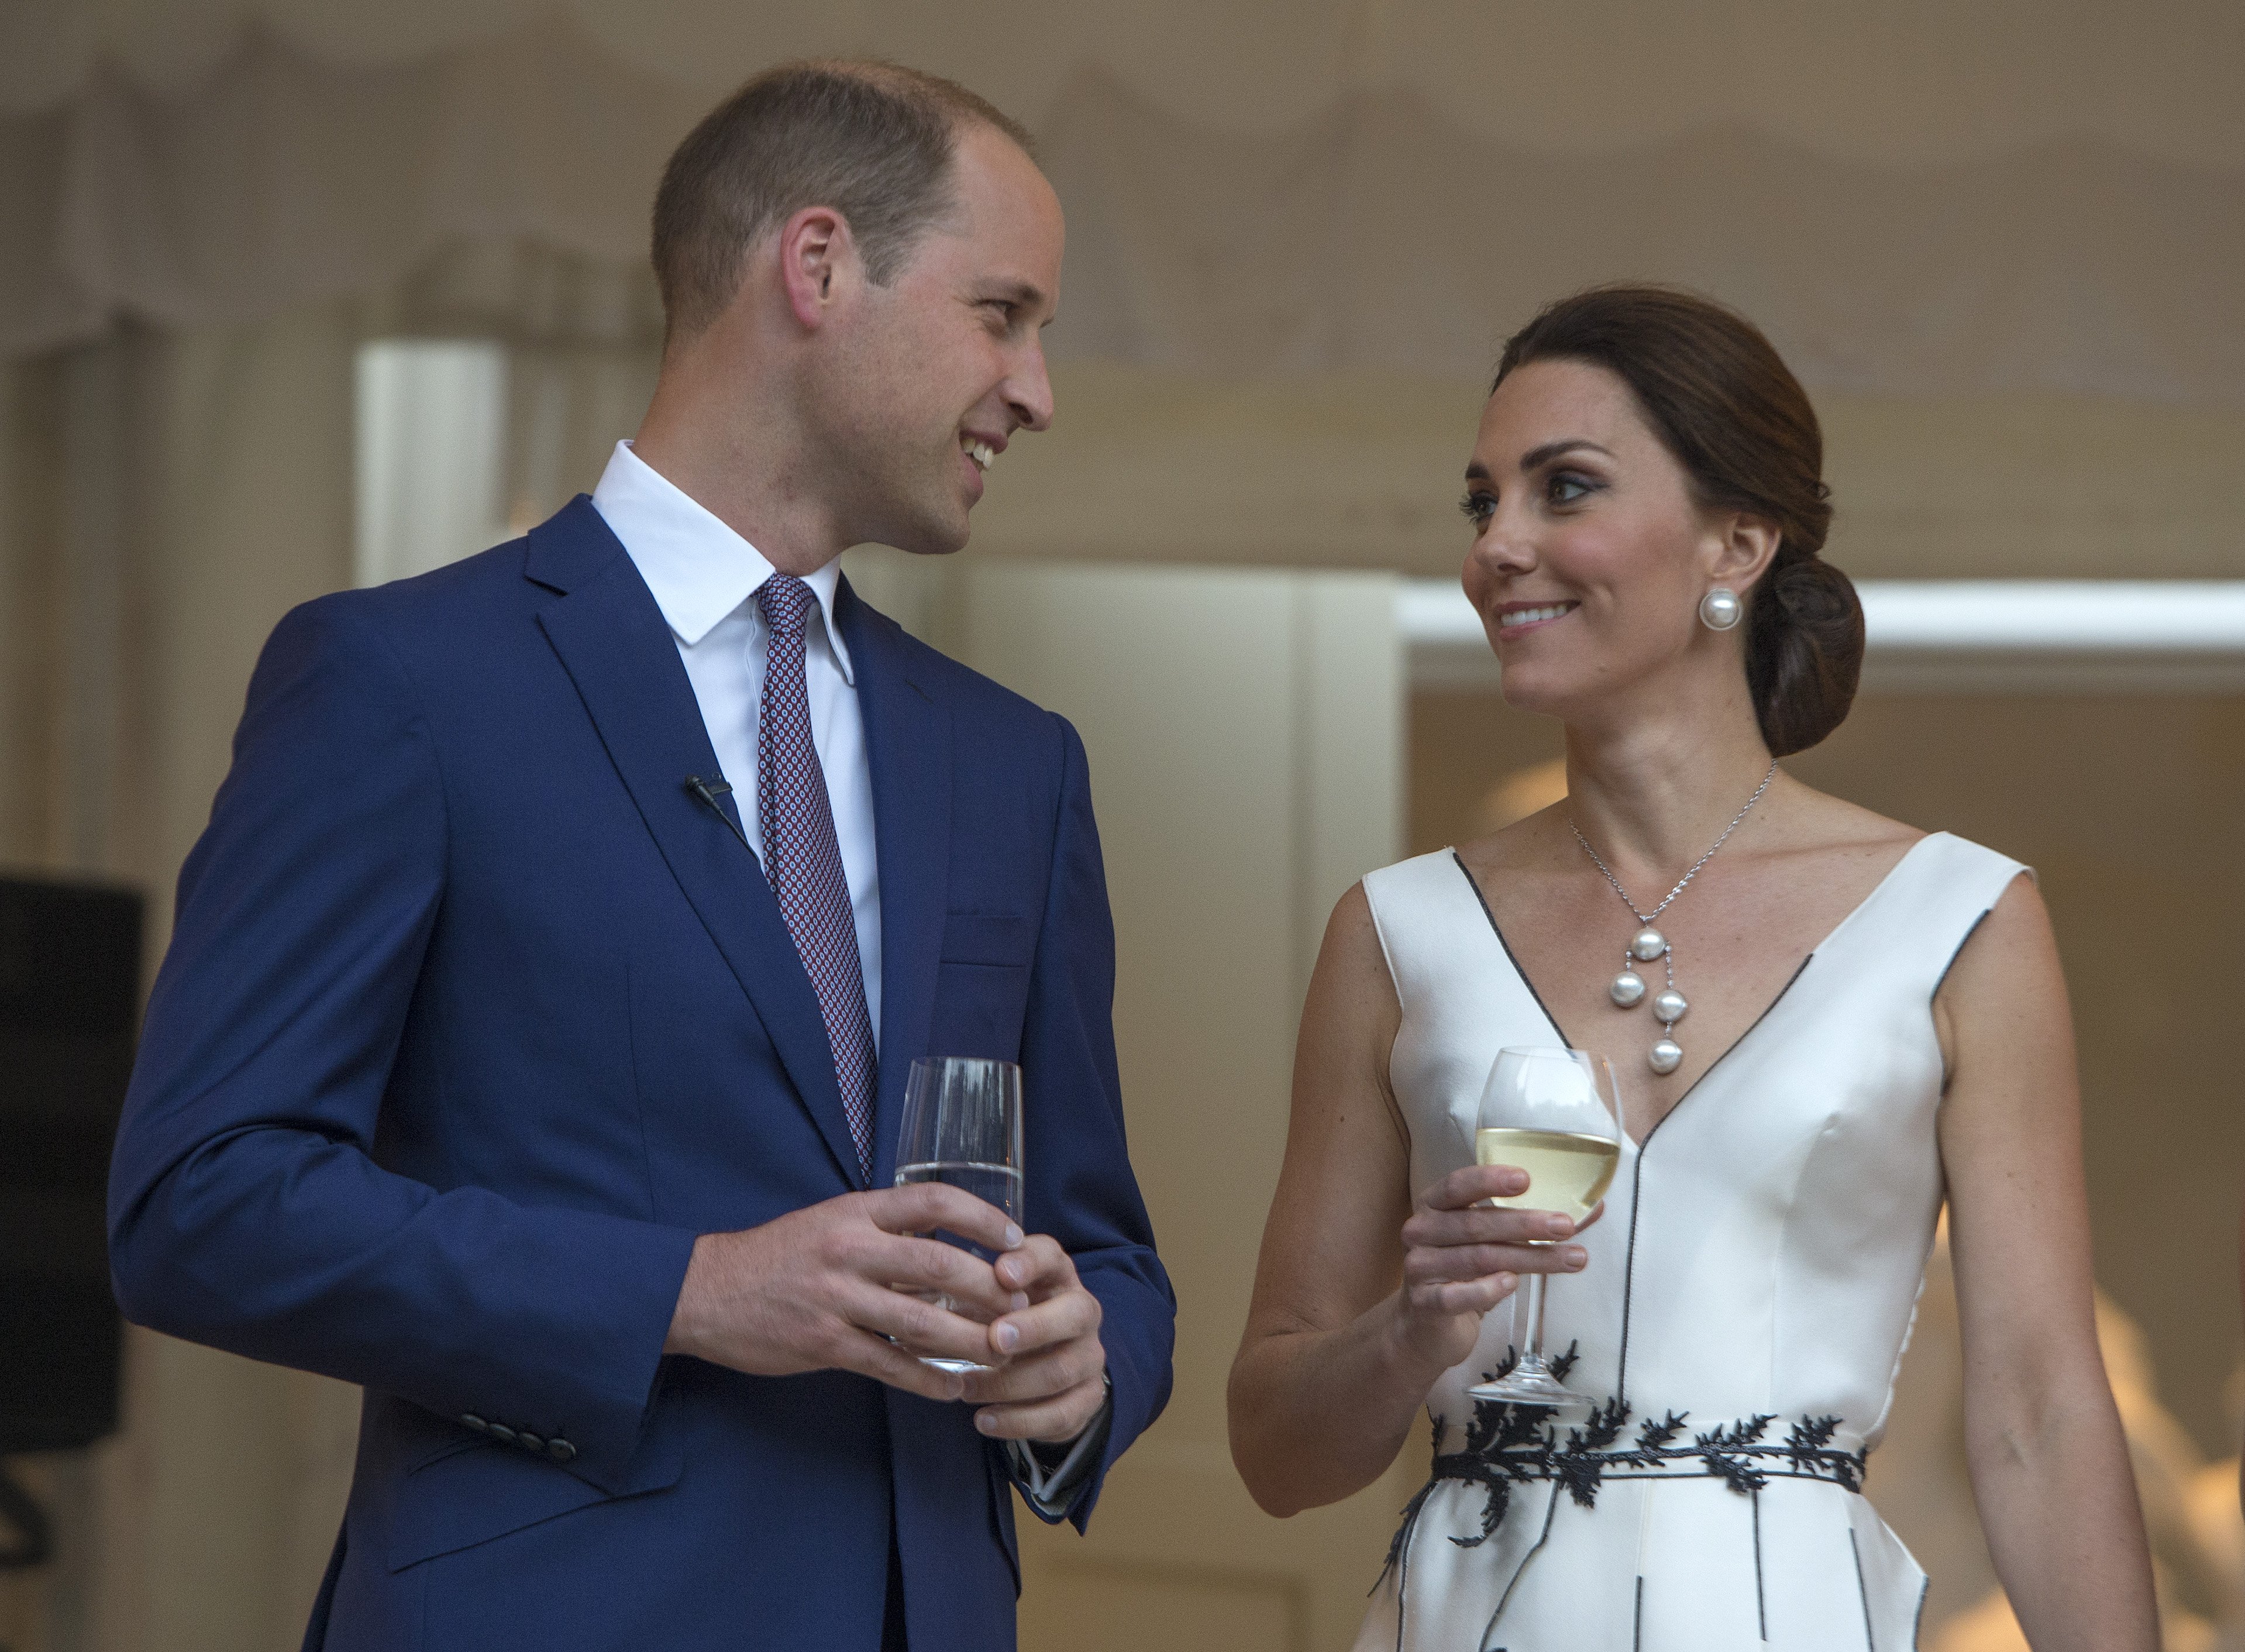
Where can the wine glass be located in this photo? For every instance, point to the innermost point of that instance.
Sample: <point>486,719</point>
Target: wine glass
<point>1555,1114</point>
<point>962,1125</point>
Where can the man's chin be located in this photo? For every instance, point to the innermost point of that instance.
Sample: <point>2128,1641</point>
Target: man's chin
<point>929,536</point>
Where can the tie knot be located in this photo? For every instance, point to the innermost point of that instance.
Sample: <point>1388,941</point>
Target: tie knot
<point>786,602</point>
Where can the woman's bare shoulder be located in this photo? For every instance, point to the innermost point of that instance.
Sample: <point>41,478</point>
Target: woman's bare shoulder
<point>1529,844</point>
<point>1817,823</point>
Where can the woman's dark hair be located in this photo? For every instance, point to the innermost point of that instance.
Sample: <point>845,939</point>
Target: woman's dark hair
<point>1723,402</point>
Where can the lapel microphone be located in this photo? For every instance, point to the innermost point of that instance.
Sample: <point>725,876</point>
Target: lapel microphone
<point>709,791</point>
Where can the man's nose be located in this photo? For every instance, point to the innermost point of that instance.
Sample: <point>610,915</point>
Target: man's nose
<point>1029,390</point>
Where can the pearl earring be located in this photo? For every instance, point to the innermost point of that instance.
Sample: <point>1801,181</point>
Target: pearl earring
<point>1720,608</point>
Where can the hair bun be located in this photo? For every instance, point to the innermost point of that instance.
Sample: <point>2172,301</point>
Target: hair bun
<point>1804,651</point>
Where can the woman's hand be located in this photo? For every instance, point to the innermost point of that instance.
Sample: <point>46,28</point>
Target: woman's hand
<point>1363,1295</point>
<point>1461,1257</point>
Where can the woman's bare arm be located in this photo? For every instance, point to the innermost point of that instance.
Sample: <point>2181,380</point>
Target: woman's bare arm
<point>2049,1464</point>
<point>1362,1299</point>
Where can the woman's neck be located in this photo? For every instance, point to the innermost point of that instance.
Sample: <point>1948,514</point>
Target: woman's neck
<point>1650,793</point>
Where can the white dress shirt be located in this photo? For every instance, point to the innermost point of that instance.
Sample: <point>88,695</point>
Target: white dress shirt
<point>705,578</point>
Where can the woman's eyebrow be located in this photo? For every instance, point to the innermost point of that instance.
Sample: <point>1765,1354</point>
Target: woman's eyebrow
<point>1549,451</point>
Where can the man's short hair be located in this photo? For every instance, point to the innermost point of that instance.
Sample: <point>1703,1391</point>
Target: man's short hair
<point>872,140</point>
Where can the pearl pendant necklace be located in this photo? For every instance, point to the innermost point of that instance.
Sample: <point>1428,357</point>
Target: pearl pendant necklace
<point>1628,989</point>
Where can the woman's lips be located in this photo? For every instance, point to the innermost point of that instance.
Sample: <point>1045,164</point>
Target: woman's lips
<point>1515,619</point>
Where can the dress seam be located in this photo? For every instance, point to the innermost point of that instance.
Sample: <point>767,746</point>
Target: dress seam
<point>1862,1589</point>
<point>1761,1600</point>
<point>1637,1176</point>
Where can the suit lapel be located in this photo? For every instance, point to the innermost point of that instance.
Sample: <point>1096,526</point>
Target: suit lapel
<point>613,640</point>
<point>908,746</point>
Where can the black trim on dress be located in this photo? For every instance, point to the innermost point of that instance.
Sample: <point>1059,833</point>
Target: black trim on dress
<point>1862,1589</point>
<point>1473,884</point>
<point>1762,1601</point>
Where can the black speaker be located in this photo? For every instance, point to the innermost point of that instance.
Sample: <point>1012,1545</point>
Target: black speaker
<point>70,992</point>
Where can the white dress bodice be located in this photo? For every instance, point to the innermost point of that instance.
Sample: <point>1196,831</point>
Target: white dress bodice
<point>1749,1293</point>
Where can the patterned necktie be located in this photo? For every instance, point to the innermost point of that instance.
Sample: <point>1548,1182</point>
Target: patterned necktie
<point>803,860</point>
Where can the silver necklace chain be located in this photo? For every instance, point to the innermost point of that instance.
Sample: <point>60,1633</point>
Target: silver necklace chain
<point>1647,917</point>
<point>1628,988</point>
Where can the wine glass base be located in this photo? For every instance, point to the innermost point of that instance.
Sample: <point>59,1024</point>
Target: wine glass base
<point>1530,1388</point>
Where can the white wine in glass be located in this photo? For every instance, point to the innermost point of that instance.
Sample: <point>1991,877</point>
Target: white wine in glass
<point>1566,1173</point>
<point>1555,1113</point>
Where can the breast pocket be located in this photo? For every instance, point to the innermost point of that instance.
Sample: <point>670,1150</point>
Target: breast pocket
<point>982,984</point>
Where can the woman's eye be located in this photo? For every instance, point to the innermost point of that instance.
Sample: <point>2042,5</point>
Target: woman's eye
<point>1477,508</point>
<point>1566,488</point>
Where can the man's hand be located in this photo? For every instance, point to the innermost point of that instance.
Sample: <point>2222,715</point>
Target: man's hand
<point>825,1286</point>
<point>1047,1359</point>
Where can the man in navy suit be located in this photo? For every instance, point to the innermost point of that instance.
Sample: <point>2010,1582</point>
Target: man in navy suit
<point>531,1042</point>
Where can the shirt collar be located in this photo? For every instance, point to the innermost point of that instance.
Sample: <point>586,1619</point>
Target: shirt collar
<point>699,569</point>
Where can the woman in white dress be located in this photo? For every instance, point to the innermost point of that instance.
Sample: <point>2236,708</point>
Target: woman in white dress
<point>1838,1023</point>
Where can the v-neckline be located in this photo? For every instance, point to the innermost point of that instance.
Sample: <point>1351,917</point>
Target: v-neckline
<point>1692,1089</point>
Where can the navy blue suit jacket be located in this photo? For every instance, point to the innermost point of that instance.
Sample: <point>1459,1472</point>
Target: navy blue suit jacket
<point>474,1018</point>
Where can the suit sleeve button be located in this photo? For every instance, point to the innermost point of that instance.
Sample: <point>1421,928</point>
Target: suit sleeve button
<point>560,1450</point>
<point>501,1432</point>
<point>470,1420</point>
<point>523,1436</point>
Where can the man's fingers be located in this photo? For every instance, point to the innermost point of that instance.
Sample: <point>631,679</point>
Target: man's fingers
<point>923,1327</point>
<point>869,1356</point>
<point>929,1264</point>
<point>1038,1376</point>
<point>1061,1417</point>
<point>923,1207</point>
<point>1062,1318</point>
<point>1039,1267</point>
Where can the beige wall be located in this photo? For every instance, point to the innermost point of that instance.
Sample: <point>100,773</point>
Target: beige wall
<point>1358,470</point>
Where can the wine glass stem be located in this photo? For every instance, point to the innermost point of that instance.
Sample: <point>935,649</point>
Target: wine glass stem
<point>1533,1354</point>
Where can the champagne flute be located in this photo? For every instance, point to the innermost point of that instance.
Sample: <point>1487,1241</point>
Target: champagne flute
<point>962,1125</point>
<point>1555,1114</point>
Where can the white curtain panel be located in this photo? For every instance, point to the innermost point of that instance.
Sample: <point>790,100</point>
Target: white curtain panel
<point>164,498</point>
<point>1380,232</point>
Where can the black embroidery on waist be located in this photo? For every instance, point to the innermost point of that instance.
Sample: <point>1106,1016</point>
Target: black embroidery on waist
<point>1510,1445</point>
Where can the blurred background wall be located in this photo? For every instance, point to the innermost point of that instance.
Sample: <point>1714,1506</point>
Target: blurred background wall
<point>300,294</point>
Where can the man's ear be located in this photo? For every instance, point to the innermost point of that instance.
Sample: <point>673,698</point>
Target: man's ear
<point>817,264</point>
<point>1742,551</point>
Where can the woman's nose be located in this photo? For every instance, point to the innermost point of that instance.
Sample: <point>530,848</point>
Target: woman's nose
<point>1501,550</point>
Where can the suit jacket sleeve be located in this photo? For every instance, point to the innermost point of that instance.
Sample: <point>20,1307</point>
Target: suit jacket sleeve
<point>1080,1187</point>
<point>249,1209</point>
